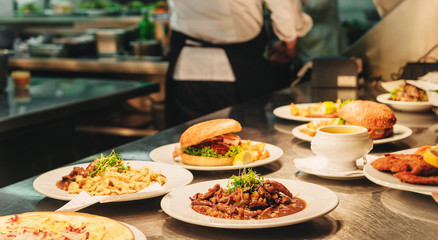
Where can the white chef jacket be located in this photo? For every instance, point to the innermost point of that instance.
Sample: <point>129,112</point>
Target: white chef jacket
<point>226,22</point>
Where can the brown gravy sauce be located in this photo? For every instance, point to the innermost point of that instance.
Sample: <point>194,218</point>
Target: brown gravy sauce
<point>297,205</point>
<point>270,200</point>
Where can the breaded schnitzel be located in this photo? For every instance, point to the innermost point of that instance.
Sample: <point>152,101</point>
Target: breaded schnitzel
<point>411,178</point>
<point>408,168</point>
<point>405,162</point>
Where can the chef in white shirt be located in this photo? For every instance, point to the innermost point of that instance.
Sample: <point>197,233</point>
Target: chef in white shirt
<point>216,52</point>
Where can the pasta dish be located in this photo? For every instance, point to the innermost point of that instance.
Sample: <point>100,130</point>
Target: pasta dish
<point>109,176</point>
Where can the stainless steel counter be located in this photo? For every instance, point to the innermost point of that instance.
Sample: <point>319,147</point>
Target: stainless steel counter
<point>50,98</point>
<point>141,69</point>
<point>365,211</point>
<point>98,65</point>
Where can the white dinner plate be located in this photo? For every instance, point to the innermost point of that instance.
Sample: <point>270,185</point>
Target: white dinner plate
<point>404,106</point>
<point>175,175</point>
<point>400,132</point>
<point>138,235</point>
<point>320,201</point>
<point>389,86</point>
<point>284,112</point>
<point>164,154</point>
<point>388,180</point>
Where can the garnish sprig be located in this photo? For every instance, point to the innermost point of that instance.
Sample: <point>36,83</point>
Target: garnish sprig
<point>112,160</point>
<point>248,180</point>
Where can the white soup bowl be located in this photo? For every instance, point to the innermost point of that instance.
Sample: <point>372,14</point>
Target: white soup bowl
<point>341,145</point>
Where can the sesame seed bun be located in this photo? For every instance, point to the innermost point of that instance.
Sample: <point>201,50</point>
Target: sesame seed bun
<point>368,114</point>
<point>208,129</point>
<point>371,115</point>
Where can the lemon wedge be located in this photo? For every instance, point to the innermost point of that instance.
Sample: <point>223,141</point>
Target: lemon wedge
<point>328,107</point>
<point>243,158</point>
<point>431,157</point>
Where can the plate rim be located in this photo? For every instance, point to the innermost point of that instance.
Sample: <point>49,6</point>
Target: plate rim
<point>184,173</point>
<point>296,118</point>
<point>220,168</point>
<point>359,175</point>
<point>253,224</point>
<point>138,234</point>
<point>381,98</point>
<point>404,106</point>
<point>373,175</point>
<point>407,132</point>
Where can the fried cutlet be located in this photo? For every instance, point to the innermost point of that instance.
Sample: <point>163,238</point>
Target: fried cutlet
<point>412,163</point>
<point>411,178</point>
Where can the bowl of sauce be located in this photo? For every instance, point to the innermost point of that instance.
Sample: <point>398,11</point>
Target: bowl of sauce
<point>341,145</point>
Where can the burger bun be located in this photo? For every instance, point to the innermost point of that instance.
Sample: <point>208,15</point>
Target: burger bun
<point>378,118</point>
<point>208,129</point>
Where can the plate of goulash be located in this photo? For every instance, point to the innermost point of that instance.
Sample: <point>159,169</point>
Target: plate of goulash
<point>186,204</point>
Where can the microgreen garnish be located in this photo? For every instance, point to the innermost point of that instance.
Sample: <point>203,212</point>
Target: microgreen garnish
<point>248,179</point>
<point>112,160</point>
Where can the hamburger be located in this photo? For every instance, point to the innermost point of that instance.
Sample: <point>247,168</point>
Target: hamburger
<point>378,118</point>
<point>210,143</point>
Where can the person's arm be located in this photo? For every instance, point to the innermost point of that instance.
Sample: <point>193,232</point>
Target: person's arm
<point>289,22</point>
<point>284,51</point>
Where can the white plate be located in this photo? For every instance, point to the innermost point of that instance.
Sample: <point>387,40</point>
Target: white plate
<point>404,106</point>
<point>176,177</point>
<point>425,84</point>
<point>138,235</point>
<point>390,85</point>
<point>320,201</point>
<point>315,165</point>
<point>284,112</point>
<point>164,154</point>
<point>388,180</point>
<point>400,132</point>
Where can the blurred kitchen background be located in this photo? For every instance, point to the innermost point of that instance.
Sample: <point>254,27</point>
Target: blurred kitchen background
<point>126,40</point>
<point>116,39</point>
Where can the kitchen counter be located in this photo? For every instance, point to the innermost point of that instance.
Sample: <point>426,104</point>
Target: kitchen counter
<point>147,69</point>
<point>96,65</point>
<point>64,19</point>
<point>365,211</point>
<point>50,98</point>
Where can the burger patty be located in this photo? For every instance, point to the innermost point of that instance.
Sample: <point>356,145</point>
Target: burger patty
<point>219,144</point>
<point>380,133</point>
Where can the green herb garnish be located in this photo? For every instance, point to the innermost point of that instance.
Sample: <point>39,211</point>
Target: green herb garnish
<point>247,180</point>
<point>341,121</point>
<point>112,160</point>
<point>345,102</point>
<point>394,93</point>
<point>208,152</point>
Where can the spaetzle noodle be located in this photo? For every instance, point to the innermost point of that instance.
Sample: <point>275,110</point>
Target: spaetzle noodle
<point>108,175</point>
<point>113,182</point>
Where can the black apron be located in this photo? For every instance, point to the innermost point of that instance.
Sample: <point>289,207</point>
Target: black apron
<point>186,100</point>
